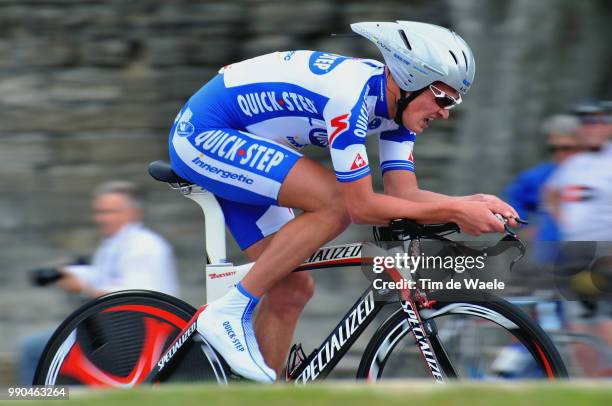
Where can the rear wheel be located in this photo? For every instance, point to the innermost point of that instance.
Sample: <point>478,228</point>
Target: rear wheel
<point>117,339</point>
<point>478,337</point>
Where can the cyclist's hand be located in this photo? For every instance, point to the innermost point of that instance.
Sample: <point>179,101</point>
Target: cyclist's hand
<point>477,218</point>
<point>497,205</point>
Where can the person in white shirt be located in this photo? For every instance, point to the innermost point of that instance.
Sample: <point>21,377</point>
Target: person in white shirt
<point>130,257</point>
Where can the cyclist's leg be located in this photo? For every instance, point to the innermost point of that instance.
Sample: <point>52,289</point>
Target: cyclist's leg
<point>324,219</point>
<point>278,315</point>
<point>245,172</point>
<point>313,189</point>
<point>318,194</point>
<point>279,310</point>
<point>250,170</point>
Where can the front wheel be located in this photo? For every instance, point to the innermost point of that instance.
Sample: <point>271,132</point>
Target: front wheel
<point>115,341</point>
<point>478,337</point>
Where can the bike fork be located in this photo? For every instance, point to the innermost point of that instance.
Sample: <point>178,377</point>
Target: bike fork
<point>426,335</point>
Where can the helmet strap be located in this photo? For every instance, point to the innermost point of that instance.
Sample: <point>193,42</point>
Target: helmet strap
<point>403,101</point>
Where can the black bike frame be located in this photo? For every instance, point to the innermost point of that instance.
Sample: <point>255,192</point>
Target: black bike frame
<point>323,360</point>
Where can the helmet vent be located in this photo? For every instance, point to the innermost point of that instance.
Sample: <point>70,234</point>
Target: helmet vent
<point>454,57</point>
<point>465,59</point>
<point>405,39</point>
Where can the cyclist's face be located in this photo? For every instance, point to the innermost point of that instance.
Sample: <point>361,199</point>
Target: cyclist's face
<point>424,108</point>
<point>112,211</point>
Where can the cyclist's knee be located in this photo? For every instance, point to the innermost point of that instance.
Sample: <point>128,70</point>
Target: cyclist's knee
<point>291,295</point>
<point>339,217</point>
<point>335,211</point>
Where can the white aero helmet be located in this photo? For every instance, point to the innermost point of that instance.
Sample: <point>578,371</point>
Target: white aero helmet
<point>419,54</point>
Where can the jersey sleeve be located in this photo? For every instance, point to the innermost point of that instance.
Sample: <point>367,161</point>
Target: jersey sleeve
<point>346,120</point>
<point>396,150</point>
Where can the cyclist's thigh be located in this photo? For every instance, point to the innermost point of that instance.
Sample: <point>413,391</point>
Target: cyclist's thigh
<point>310,186</point>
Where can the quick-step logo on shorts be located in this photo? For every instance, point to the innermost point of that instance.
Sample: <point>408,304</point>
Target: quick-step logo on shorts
<point>184,129</point>
<point>233,148</point>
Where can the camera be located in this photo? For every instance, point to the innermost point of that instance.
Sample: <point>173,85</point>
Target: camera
<point>49,275</point>
<point>45,276</point>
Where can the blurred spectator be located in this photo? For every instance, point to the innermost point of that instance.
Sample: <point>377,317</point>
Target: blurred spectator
<point>129,257</point>
<point>580,195</point>
<point>525,192</point>
<point>580,192</point>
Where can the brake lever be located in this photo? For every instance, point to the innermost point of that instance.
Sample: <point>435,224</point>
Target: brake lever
<point>521,221</point>
<point>511,236</point>
<point>507,228</point>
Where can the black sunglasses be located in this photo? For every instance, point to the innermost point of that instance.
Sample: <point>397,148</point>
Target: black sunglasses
<point>443,99</point>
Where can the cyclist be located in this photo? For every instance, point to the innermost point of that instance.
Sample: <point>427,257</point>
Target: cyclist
<point>239,136</point>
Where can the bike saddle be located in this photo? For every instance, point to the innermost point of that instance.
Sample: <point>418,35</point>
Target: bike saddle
<point>162,171</point>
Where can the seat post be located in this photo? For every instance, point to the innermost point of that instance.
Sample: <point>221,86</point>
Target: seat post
<point>214,220</point>
<point>214,224</point>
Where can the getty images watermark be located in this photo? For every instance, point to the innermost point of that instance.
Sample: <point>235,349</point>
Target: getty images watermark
<point>572,270</point>
<point>408,266</point>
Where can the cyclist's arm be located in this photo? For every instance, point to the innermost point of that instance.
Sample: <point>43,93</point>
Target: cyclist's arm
<point>346,129</point>
<point>367,207</point>
<point>397,166</point>
<point>404,184</point>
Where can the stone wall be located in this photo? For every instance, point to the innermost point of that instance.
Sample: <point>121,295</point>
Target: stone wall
<point>88,91</point>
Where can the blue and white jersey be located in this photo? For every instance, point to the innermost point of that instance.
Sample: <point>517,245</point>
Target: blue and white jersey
<point>297,98</point>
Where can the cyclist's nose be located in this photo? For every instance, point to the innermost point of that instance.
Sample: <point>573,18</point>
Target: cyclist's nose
<point>443,113</point>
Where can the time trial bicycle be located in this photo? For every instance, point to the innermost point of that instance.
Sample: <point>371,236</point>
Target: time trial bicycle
<point>130,338</point>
